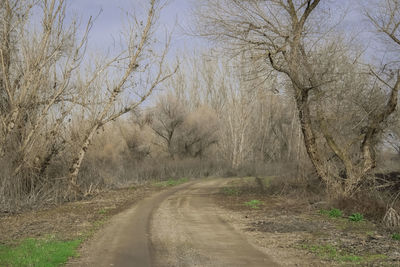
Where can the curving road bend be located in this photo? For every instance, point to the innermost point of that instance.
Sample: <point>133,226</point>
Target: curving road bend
<point>178,227</point>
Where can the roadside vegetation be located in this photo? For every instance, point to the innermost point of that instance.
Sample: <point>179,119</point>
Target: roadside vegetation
<point>172,182</point>
<point>51,236</point>
<point>296,218</point>
<point>38,252</point>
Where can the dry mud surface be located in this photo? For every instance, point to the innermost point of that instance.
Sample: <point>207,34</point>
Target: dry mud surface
<point>178,227</point>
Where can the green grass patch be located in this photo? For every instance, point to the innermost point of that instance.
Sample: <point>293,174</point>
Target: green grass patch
<point>230,191</point>
<point>102,211</point>
<point>333,213</point>
<point>356,217</point>
<point>38,252</point>
<point>45,252</point>
<point>396,236</point>
<point>254,204</point>
<point>329,252</point>
<point>172,182</point>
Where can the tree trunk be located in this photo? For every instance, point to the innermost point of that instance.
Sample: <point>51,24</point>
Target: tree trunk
<point>308,134</point>
<point>74,188</point>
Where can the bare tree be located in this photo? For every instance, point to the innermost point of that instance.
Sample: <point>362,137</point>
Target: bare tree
<point>37,69</point>
<point>289,36</point>
<point>165,120</point>
<point>198,133</point>
<point>139,58</point>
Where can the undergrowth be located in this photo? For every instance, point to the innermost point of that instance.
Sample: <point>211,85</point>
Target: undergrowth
<point>329,252</point>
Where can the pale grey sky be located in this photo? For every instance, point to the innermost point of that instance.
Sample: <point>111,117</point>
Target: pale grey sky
<point>178,13</point>
<point>110,22</point>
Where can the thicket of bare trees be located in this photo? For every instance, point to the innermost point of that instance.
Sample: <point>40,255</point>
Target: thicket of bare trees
<point>343,106</point>
<point>54,99</point>
<point>218,114</point>
<point>284,91</point>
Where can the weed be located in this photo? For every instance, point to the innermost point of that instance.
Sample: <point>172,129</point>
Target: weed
<point>356,217</point>
<point>375,257</point>
<point>324,212</point>
<point>254,204</point>
<point>95,227</point>
<point>396,236</point>
<point>230,191</point>
<point>102,211</point>
<point>334,213</point>
<point>172,182</point>
<point>38,252</point>
<point>330,252</point>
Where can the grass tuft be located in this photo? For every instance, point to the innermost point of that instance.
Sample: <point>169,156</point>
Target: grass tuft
<point>329,252</point>
<point>254,204</point>
<point>102,211</point>
<point>396,236</point>
<point>356,217</point>
<point>172,182</point>
<point>333,213</point>
<point>230,191</point>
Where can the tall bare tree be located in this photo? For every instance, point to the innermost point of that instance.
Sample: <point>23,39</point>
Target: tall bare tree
<point>139,57</point>
<point>289,37</point>
<point>37,69</point>
<point>165,120</point>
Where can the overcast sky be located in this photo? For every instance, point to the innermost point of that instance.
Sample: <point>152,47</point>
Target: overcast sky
<point>110,22</point>
<point>178,13</point>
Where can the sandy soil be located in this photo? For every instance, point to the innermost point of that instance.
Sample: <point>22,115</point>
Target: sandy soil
<point>188,229</point>
<point>178,227</point>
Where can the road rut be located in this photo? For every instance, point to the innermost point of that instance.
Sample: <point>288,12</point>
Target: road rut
<point>178,227</point>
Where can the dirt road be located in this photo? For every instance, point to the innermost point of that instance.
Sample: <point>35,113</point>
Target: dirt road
<point>178,227</point>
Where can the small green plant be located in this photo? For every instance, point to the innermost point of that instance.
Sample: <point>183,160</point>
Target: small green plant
<point>356,217</point>
<point>324,212</point>
<point>102,211</point>
<point>230,191</point>
<point>396,236</point>
<point>332,253</point>
<point>172,182</point>
<point>254,204</point>
<point>334,213</point>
